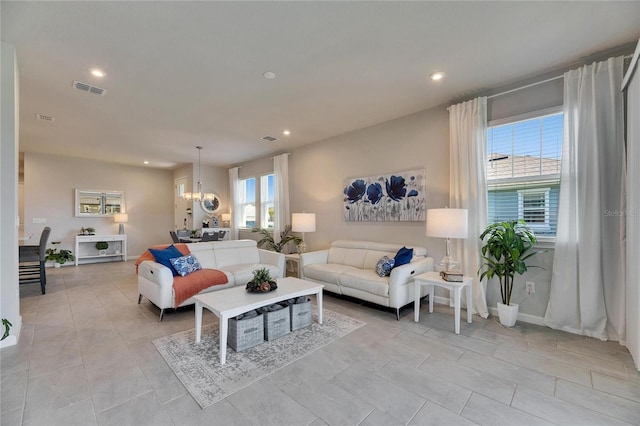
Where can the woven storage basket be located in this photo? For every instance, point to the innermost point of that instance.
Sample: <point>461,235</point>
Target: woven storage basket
<point>300,315</point>
<point>276,323</point>
<point>245,333</point>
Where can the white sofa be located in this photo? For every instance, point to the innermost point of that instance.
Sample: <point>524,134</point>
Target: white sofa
<point>348,268</point>
<point>236,258</point>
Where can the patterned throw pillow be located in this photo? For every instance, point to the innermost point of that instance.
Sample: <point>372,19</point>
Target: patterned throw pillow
<point>384,266</point>
<point>185,265</point>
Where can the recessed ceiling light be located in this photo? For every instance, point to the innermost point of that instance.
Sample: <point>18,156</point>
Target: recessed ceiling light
<point>286,133</point>
<point>437,76</point>
<point>146,162</point>
<point>269,75</point>
<point>97,72</point>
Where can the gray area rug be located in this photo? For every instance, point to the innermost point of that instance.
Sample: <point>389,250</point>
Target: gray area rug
<point>197,365</point>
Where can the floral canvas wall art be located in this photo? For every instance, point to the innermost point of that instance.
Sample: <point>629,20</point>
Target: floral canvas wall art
<point>396,197</point>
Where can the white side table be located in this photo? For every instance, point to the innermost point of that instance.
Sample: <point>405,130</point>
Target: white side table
<point>291,260</point>
<point>433,279</point>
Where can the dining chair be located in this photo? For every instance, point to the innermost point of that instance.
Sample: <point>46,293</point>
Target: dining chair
<point>31,260</point>
<point>174,236</point>
<point>213,236</point>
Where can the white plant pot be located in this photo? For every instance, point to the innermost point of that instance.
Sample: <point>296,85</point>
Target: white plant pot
<point>508,314</point>
<point>56,265</point>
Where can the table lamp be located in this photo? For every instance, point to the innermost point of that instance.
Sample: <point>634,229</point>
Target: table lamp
<point>303,222</point>
<point>226,218</point>
<point>121,218</point>
<point>447,223</point>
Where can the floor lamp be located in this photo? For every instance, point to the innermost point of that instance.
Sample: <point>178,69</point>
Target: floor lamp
<point>448,223</point>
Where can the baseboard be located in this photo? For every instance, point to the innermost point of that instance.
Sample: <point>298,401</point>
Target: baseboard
<point>12,339</point>
<point>528,318</point>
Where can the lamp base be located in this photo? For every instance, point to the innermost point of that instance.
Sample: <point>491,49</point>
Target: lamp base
<point>121,229</point>
<point>302,247</point>
<point>449,264</point>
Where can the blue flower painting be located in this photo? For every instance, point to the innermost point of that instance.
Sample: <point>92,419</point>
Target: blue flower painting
<point>396,197</point>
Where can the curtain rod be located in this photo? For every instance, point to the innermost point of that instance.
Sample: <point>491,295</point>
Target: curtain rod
<point>534,84</point>
<point>526,87</point>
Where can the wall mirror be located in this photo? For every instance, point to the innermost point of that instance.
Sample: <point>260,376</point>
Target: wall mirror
<point>95,203</point>
<point>210,206</point>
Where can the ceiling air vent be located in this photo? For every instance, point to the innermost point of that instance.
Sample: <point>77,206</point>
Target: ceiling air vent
<point>269,138</point>
<point>42,117</point>
<point>89,88</point>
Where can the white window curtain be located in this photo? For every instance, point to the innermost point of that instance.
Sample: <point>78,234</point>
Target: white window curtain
<point>281,189</point>
<point>468,186</point>
<point>588,282</point>
<point>234,190</point>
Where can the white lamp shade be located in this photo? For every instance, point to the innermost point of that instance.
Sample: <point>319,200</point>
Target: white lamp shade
<point>121,218</point>
<point>226,217</point>
<point>447,223</point>
<point>303,222</point>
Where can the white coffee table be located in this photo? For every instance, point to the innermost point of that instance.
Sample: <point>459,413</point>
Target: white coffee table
<point>232,302</point>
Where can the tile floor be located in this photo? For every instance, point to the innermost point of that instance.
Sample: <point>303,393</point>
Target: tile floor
<point>85,357</point>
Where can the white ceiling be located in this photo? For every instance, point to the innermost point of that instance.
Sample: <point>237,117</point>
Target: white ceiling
<point>181,74</point>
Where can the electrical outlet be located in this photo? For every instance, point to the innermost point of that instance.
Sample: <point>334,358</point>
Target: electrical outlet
<point>531,287</point>
<point>39,220</point>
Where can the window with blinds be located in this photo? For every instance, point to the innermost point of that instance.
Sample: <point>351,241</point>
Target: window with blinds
<point>523,171</point>
<point>247,206</point>
<point>267,201</point>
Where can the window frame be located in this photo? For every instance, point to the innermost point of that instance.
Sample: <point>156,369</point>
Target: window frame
<point>265,201</point>
<point>244,203</point>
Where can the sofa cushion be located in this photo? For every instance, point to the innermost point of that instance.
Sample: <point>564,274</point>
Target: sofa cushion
<point>164,256</point>
<point>403,256</point>
<point>236,256</point>
<point>185,265</point>
<point>347,256</point>
<point>327,272</point>
<point>205,254</point>
<point>243,273</point>
<point>373,256</point>
<point>365,280</point>
<point>384,266</point>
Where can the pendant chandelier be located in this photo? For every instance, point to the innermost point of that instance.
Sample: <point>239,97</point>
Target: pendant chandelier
<point>198,196</point>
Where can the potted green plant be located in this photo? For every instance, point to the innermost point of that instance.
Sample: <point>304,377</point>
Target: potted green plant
<point>261,282</point>
<point>507,246</point>
<point>7,326</point>
<point>102,247</point>
<point>267,241</point>
<point>58,257</point>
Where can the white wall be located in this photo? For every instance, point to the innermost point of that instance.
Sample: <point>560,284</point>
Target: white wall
<point>318,173</point>
<point>50,182</point>
<point>9,93</point>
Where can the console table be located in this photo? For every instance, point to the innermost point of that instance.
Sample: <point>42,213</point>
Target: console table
<point>86,247</point>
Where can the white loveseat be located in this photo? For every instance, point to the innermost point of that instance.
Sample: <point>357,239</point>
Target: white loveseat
<point>349,268</point>
<point>237,259</point>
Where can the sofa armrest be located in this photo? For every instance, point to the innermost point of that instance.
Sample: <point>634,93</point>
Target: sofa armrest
<point>273,258</point>
<point>320,256</point>
<point>405,273</point>
<point>156,273</point>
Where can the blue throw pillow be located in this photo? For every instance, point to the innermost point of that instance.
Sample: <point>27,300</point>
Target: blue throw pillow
<point>185,265</point>
<point>384,266</point>
<point>403,257</point>
<point>164,256</point>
